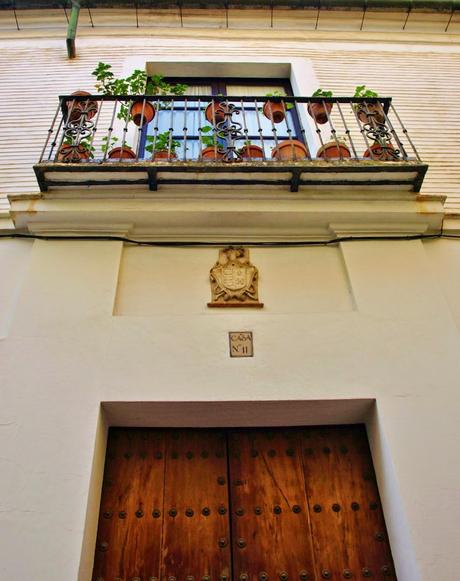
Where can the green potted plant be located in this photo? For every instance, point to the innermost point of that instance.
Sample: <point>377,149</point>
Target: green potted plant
<point>319,111</point>
<point>368,111</point>
<point>210,143</point>
<point>276,110</point>
<point>141,111</point>
<point>124,152</point>
<point>162,146</point>
<point>335,148</point>
<point>250,151</point>
<point>69,152</point>
<point>290,150</point>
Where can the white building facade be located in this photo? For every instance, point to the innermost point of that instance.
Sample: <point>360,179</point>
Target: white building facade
<point>97,331</point>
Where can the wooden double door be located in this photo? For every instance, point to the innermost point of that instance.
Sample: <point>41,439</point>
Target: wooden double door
<point>294,504</point>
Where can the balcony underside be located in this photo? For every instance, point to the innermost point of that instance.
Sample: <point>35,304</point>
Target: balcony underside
<point>405,175</point>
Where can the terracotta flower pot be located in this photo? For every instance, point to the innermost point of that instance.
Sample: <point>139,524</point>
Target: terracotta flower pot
<point>77,108</point>
<point>290,150</point>
<point>275,111</point>
<point>320,112</point>
<point>164,154</point>
<point>252,152</point>
<point>219,115</point>
<point>121,153</point>
<point>136,112</point>
<point>375,112</point>
<point>331,150</point>
<point>211,153</point>
<point>379,153</point>
<point>73,153</point>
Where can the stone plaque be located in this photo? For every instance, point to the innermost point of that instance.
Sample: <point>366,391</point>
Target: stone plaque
<point>234,280</point>
<point>241,344</point>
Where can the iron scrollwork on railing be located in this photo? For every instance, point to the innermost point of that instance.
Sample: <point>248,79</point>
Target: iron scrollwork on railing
<point>191,128</point>
<point>375,128</point>
<point>76,143</point>
<point>229,131</point>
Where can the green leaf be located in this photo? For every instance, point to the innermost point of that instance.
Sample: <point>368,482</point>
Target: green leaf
<point>161,142</point>
<point>322,93</point>
<point>136,83</point>
<point>362,91</point>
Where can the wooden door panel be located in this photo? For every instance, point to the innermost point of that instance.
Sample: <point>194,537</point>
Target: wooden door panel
<point>303,506</point>
<point>196,537</point>
<point>130,523</point>
<point>348,528</point>
<point>270,520</point>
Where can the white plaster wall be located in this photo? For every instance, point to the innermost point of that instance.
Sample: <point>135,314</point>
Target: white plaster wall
<point>68,349</point>
<point>399,66</point>
<point>83,323</point>
<point>320,285</point>
<point>444,259</point>
<point>14,257</point>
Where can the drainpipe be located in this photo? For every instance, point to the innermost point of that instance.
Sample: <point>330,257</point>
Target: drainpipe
<point>72,29</point>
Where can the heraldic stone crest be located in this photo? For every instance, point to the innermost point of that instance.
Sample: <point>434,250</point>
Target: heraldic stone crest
<point>234,280</point>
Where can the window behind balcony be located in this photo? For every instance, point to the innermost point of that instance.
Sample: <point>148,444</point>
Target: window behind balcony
<point>256,128</point>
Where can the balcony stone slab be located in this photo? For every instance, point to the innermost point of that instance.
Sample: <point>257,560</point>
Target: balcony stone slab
<point>292,175</point>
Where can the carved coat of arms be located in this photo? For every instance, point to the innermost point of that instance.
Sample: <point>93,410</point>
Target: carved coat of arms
<point>234,280</point>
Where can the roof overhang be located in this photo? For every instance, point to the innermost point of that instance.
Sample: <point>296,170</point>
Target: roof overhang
<point>394,5</point>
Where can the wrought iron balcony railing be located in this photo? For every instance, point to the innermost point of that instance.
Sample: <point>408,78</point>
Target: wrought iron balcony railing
<point>227,140</point>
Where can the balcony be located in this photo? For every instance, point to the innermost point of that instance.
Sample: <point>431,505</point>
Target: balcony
<point>294,143</point>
